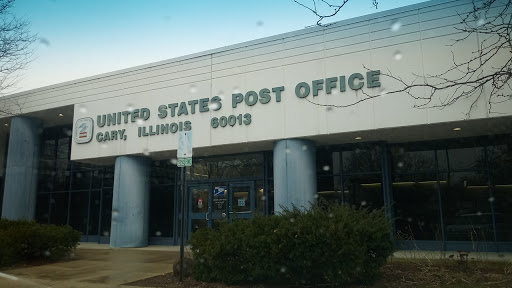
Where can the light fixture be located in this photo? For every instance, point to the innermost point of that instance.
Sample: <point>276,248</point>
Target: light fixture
<point>6,124</point>
<point>60,115</point>
<point>457,129</point>
<point>358,138</point>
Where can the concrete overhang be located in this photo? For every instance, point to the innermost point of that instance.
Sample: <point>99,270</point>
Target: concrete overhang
<point>427,132</point>
<point>51,117</point>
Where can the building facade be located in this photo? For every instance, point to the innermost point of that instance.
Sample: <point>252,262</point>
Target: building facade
<point>281,121</point>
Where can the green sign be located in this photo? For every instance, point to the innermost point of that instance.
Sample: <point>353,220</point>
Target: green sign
<point>184,162</point>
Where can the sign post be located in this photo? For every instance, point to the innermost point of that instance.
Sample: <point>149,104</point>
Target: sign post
<point>184,160</point>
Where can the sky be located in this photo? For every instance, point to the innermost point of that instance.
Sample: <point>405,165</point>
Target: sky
<point>81,38</point>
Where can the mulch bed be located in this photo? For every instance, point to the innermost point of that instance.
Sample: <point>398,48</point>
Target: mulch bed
<point>399,273</point>
<point>168,280</point>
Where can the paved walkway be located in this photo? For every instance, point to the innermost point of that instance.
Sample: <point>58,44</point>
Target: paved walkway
<point>95,266</point>
<point>99,266</point>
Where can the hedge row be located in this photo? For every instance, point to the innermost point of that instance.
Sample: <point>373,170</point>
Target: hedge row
<point>23,240</point>
<point>321,245</point>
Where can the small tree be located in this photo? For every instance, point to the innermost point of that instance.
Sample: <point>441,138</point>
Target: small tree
<point>486,74</point>
<point>15,51</point>
<point>327,9</point>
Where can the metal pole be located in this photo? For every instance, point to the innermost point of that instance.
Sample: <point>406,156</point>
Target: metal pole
<point>182,234</point>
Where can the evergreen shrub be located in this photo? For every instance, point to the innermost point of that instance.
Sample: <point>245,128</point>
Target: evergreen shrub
<point>22,240</point>
<point>325,244</point>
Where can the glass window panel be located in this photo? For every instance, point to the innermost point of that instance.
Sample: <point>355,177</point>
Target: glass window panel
<point>462,159</point>
<point>442,159</point>
<point>108,176</point>
<point>62,181</point>
<point>405,161</point>
<point>260,197</point>
<point>106,213</point>
<point>48,149</point>
<point>162,172</point>
<point>219,170</point>
<point>63,165</point>
<point>325,188</point>
<point>500,162</point>
<point>171,170</point>
<point>1,192</point>
<point>46,166</point>
<point>78,212</point>
<point>270,165</point>
<point>200,169</point>
<point>502,201</point>
<point>42,208</point>
<point>188,172</point>
<point>323,162</point>
<point>337,184</point>
<point>467,211</point>
<point>80,166</point>
<point>236,166</point>
<point>362,160</point>
<point>50,133</point>
<point>66,132</point>
<point>155,175</point>
<point>500,159</point>
<point>336,163</point>
<point>241,200</point>
<point>63,148</point>
<point>416,207</point>
<point>363,191</point>
<point>62,176</point>
<point>59,208</point>
<point>45,183</point>
<point>200,200</point>
<point>270,196</point>
<point>97,175</point>
<point>81,180</point>
<point>161,211</point>
<point>94,214</point>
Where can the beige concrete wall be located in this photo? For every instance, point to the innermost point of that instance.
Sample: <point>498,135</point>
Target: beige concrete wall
<point>419,47</point>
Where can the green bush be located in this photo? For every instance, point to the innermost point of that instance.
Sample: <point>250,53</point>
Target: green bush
<point>23,240</point>
<point>224,255</point>
<point>332,244</point>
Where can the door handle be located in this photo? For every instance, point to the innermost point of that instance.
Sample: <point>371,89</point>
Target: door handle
<point>206,216</point>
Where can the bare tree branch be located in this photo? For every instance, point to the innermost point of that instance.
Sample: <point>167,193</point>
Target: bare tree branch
<point>485,75</point>
<point>15,53</point>
<point>326,9</point>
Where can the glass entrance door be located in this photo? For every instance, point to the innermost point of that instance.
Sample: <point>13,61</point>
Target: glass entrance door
<point>220,205</point>
<point>199,207</point>
<point>209,207</point>
<point>241,201</point>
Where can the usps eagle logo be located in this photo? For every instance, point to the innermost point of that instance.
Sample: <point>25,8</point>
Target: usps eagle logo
<point>83,130</point>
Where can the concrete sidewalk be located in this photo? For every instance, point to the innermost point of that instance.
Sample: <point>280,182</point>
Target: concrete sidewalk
<point>95,265</point>
<point>98,265</point>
